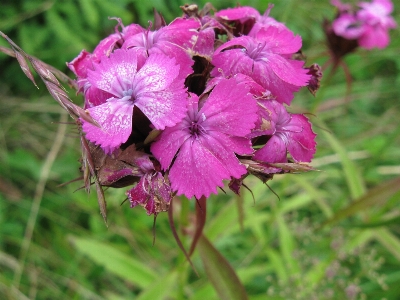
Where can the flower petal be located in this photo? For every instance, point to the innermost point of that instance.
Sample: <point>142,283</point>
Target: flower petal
<point>274,151</point>
<point>301,143</point>
<point>115,120</point>
<point>238,13</point>
<point>224,149</point>
<point>230,109</point>
<point>157,74</point>
<point>196,171</point>
<point>113,73</point>
<point>168,144</point>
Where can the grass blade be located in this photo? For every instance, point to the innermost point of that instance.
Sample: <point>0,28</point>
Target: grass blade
<point>116,262</point>
<point>220,273</point>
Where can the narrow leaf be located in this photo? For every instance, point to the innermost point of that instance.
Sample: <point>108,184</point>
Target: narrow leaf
<point>176,236</point>
<point>117,262</point>
<point>390,241</point>
<point>353,177</point>
<point>201,213</point>
<point>161,289</point>
<point>375,196</point>
<point>220,273</point>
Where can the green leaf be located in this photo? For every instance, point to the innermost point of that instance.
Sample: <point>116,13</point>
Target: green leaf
<point>375,196</point>
<point>277,262</point>
<point>160,289</point>
<point>116,262</point>
<point>220,273</point>
<point>389,241</point>
<point>353,176</point>
<point>90,12</point>
<point>224,223</point>
<point>287,245</point>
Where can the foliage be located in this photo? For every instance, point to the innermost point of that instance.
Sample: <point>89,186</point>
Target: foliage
<point>331,234</point>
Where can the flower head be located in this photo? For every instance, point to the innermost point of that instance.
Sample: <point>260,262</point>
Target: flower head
<point>292,134</point>
<point>377,22</point>
<point>206,140</point>
<point>155,89</point>
<point>174,40</point>
<point>369,25</point>
<point>265,58</point>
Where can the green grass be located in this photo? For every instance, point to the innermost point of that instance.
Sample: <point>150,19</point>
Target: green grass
<point>333,234</point>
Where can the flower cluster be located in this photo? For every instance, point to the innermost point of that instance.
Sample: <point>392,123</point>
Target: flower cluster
<point>179,108</point>
<point>367,27</point>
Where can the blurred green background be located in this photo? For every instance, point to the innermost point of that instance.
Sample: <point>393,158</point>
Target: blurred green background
<point>333,234</point>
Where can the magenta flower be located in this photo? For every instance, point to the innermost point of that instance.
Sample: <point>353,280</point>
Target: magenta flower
<point>175,40</point>
<point>205,142</point>
<point>263,125</point>
<point>370,25</point>
<point>348,26</point>
<point>248,20</point>
<point>292,134</point>
<point>265,59</point>
<point>377,20</point>
<point>155,89</point>
<point>86,61</point>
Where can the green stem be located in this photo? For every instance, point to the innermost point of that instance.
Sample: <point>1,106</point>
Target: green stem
<point>44,175</point>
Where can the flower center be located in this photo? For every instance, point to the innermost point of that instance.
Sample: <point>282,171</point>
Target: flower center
<point>256,52</point>
<point>128,95</point>
<point>196,129</point>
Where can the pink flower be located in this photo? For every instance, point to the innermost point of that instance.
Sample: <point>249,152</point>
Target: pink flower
<point>155,89</point>
<point>204,144</point>
<point>265,58</point>
<point>369,25</point>
<point>175,40</point>
<point>348,26</point>
<point>86,61</point>
<point>248,20</point>
<point>292,134</point>
<point>377,20</point>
